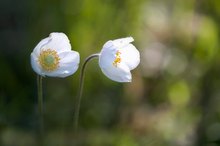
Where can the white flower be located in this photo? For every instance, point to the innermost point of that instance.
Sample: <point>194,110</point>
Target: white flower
<point>118,58</point>
<point>53,57</point>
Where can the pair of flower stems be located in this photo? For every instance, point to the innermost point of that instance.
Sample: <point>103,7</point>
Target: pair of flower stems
<point>77,101</point>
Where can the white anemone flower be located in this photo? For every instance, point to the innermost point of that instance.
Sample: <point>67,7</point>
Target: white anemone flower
<point>53,57</point>
<point>118,58</point>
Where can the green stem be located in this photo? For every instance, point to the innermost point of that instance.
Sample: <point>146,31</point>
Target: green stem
<point>40,108</point>
<point>80,90</point>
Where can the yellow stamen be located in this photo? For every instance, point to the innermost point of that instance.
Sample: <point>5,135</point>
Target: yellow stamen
<point>117,59</point>
<point>49,60</point>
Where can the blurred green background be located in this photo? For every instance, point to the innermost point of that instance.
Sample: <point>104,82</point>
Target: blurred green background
<point>173,100</point>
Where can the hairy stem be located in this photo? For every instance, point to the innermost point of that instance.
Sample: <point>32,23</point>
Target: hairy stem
<point>80,90</point>
<point>40,108</point>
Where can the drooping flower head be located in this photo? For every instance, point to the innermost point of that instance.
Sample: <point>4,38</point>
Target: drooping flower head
<point>53,57</point>
<point>118,58</point>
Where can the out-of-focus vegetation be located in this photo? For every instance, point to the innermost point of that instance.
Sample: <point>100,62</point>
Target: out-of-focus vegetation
<point>174,99</point>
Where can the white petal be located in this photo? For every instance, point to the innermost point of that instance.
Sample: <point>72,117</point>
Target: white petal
<point>64,71</point>
<point>107,56</point>
<point>122,42</point>
<point>58,42</point>
<point>108,44</point>
<point>42,43</point>
<point>130,56</point>
<point>121,73</point>
<point>35,65</point>
<point>68,65</point>
<point>69,56</point>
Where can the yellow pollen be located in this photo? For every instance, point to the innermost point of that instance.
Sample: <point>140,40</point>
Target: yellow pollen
<point>49,60</point>
<point>117,59</point>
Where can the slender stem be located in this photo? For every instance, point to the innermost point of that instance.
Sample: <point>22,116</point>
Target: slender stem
<point>80,90</point>
<point>40,107</point>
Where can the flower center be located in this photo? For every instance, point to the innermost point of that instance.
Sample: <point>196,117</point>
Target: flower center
<point>49,60</point>
<point>117,59</point>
